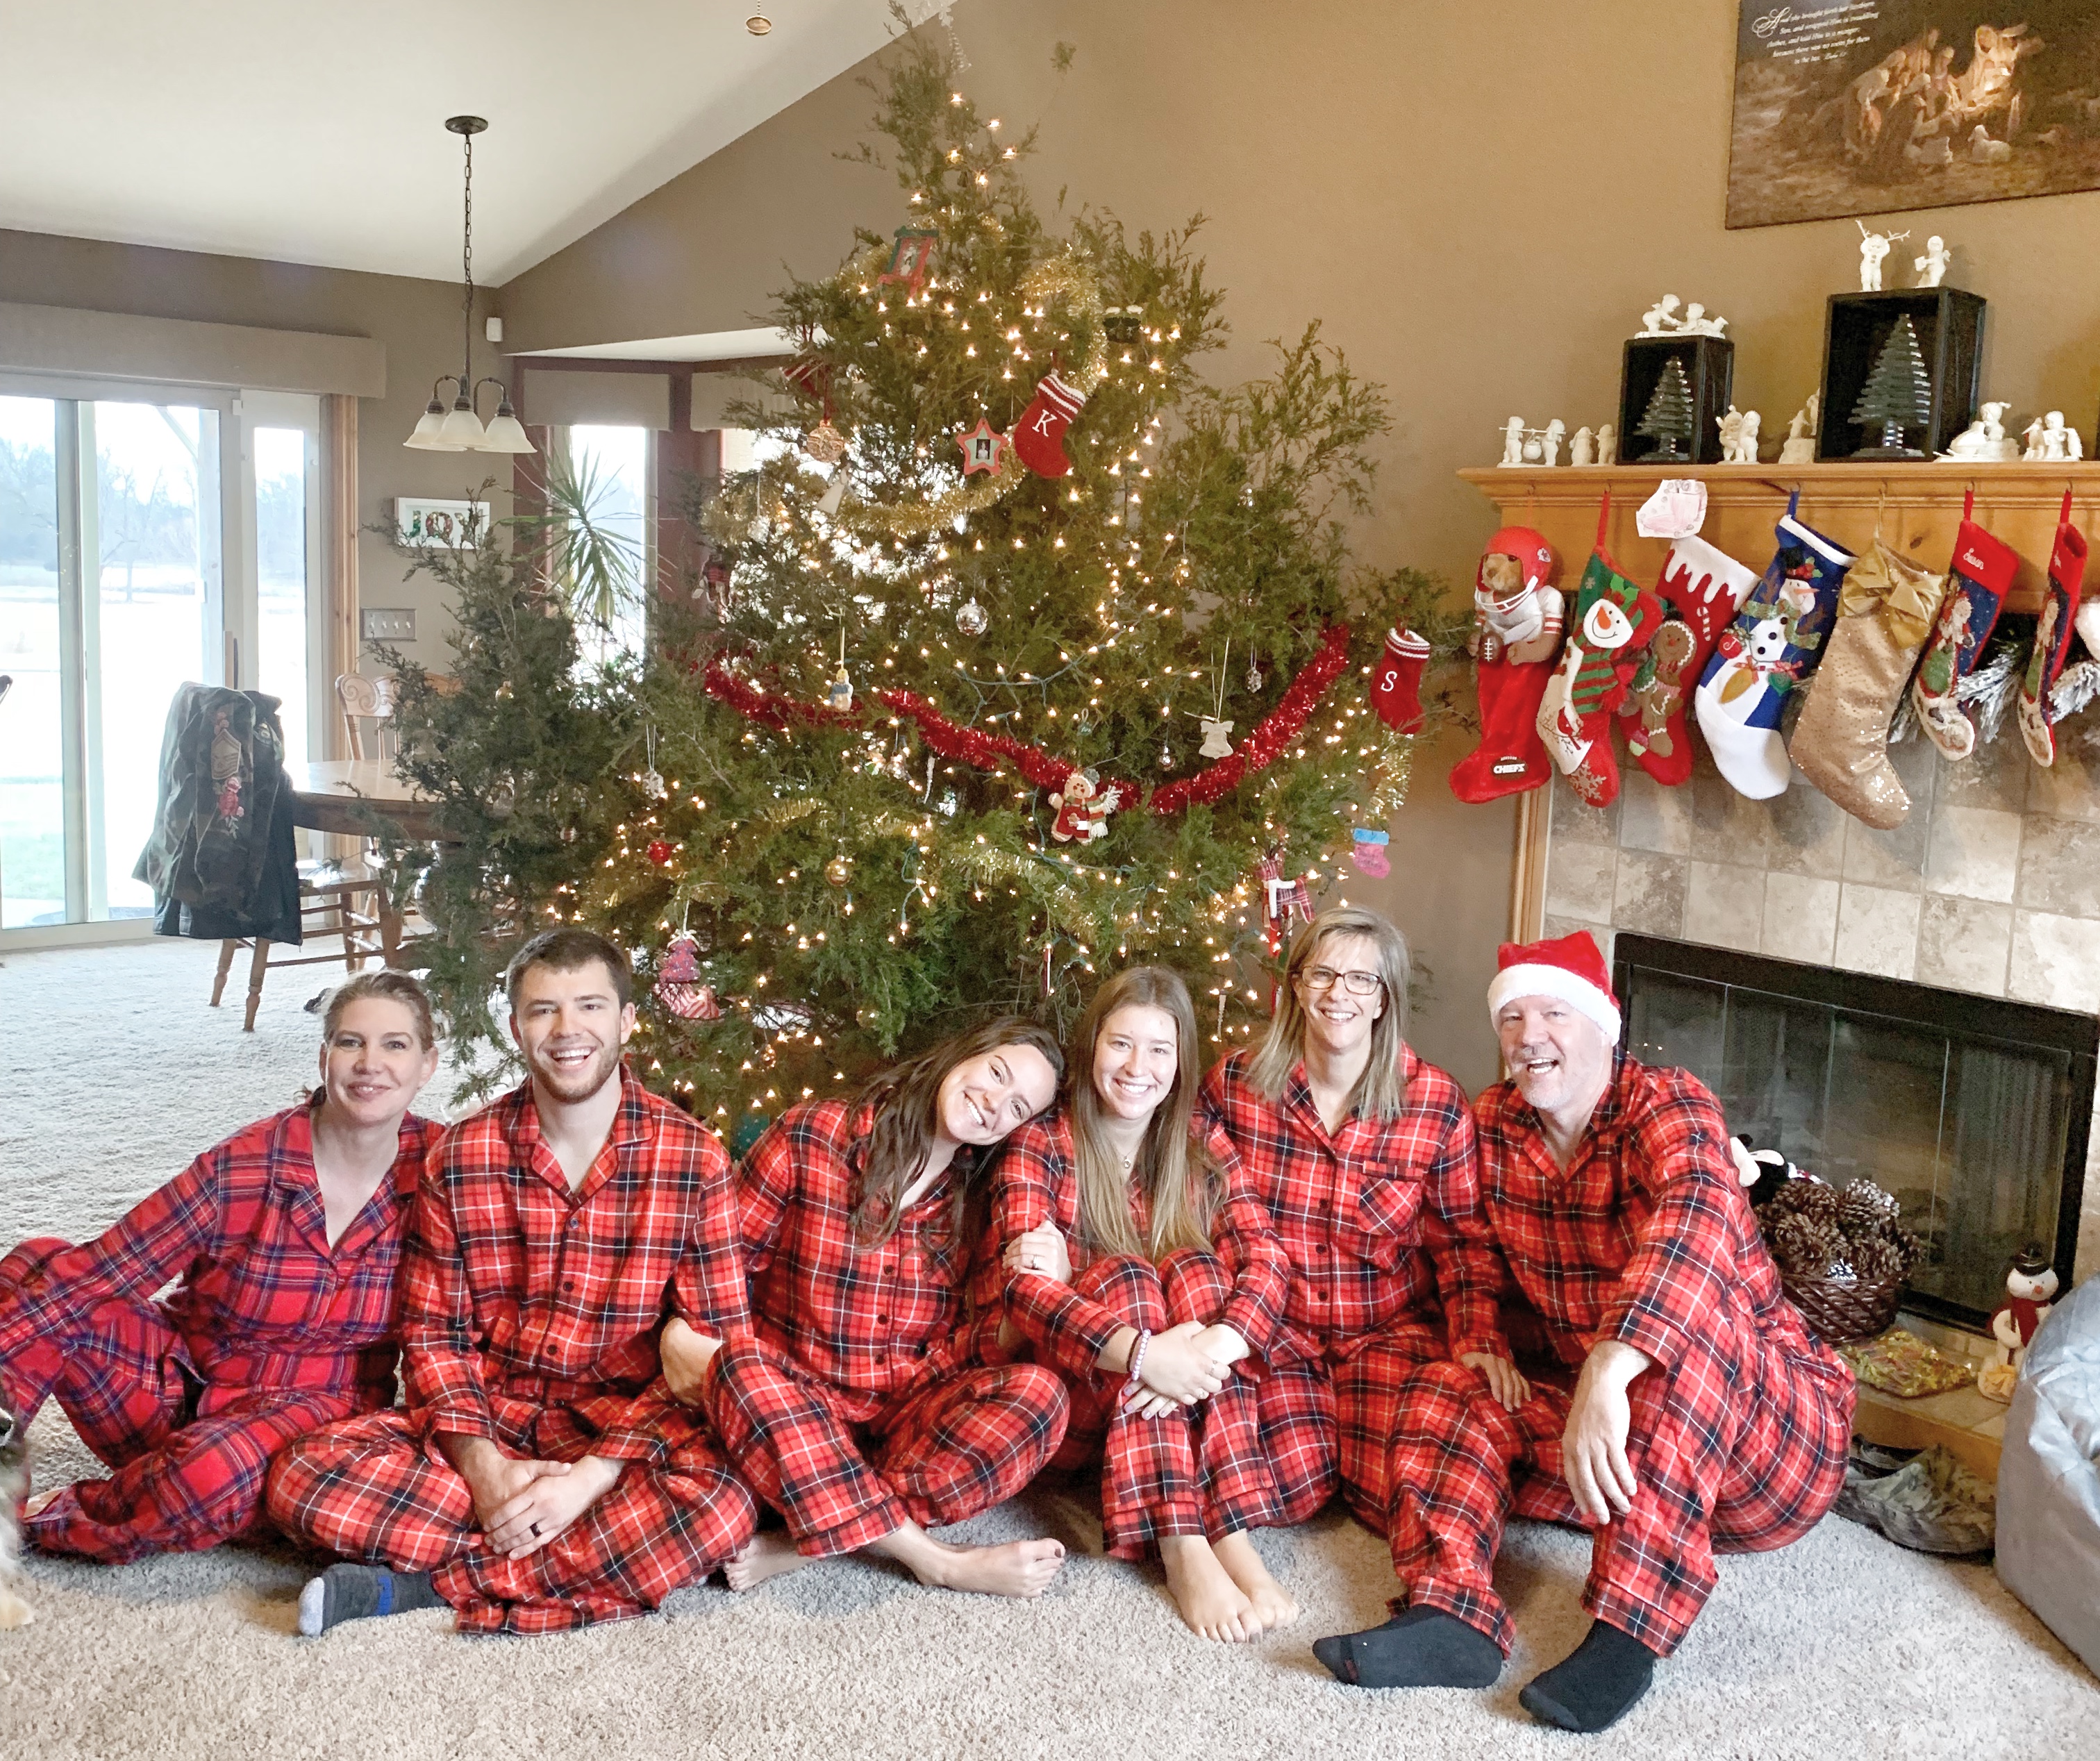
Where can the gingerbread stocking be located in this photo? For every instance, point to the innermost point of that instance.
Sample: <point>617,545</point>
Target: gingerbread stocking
<point>2059,612</point>
<point>1515,635</point>
<point>1703,587</point>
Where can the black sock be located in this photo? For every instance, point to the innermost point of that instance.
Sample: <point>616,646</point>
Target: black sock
<point>355,1592</point>
<point>1423,1648</point>
<point>1595,1685</point>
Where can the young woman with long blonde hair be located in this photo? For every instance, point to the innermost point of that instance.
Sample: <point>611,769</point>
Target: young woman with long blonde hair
<point>1142,1276</point>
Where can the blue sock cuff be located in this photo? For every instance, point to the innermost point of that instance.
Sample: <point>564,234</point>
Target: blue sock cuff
<point>386,1592</point>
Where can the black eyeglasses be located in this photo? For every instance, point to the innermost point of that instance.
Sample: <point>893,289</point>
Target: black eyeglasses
<point>1355,983</point>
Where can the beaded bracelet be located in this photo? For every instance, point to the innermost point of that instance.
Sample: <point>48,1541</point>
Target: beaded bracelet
<point>1133,1386</point>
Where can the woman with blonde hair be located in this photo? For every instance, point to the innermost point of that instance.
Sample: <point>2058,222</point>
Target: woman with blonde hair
<point>1141,1275</point>
<point>1364,1157</point>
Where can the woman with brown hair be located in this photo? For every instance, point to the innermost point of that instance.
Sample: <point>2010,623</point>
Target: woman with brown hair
<point>1364,1158</point>
<point>1142,1277</point>
<point>284,1242</point>
<point>857,1407</point>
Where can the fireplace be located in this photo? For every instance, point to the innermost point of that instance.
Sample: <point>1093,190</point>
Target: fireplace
<point>1973,1112</point>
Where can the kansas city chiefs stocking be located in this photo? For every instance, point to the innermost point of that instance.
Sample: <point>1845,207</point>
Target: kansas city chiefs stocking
<point>1703,587</point>
<point>1773,645</point>
<point>1515,635</point>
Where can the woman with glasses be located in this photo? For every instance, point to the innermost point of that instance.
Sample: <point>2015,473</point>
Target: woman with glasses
<point>1137,1270</point>
<point>1364,1157</point>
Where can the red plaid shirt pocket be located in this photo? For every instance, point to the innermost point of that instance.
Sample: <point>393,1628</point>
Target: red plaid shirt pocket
<point>1387,1226</point>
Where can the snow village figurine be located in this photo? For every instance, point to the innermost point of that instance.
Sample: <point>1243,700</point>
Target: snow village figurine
<point>1933,265</point>
<point>1984,440</point>
<point>2050,439</point>
<point>1607,445</point>
<point>1799,447</point>
<point>1556,431</point>
<point>1660,318</point>
<point>1582,449</point>
<point>1874,248</point>
<point>1513,441</point>
<point>1732,429</point>
<point>2030,1289</point>
<point>1738,436</point>
<point>1696,323</point>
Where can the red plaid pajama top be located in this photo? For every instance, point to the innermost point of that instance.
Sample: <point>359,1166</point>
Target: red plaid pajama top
<point>263,1302</point>
<point>874,1320</point>
<point>515,1285</point>
<point>1646,1231</point>
<point>1382,1221</point>
<point>1037,1181</point>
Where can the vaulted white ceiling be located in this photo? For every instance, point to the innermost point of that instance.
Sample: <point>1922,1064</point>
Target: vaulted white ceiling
<point>313,130</point>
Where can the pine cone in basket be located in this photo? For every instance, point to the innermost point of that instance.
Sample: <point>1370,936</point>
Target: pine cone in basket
<point>1877,1259</point>
<point>1862,1206</point>
<point>1805,1197</point>
<point>1802,1248</point>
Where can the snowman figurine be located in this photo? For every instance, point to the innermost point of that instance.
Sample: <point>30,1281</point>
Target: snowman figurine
<point>2029,1288</point>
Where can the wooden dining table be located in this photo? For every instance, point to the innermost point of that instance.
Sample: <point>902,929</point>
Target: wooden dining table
<point>339,795</point>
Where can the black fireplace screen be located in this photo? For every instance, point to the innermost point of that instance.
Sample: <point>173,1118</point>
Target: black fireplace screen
<point>1973,1111</point>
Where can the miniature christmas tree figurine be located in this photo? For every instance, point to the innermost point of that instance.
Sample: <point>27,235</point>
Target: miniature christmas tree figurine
<point>1898,394</point>
<point>1667,420</point>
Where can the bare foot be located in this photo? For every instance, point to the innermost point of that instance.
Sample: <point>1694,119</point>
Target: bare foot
<point>771,1554</point>
<point>14,1612</point>
<point>1273,1605</point>
<point>1020,1568</point>
<point>1211,1603</point>
<point>37,1503</point>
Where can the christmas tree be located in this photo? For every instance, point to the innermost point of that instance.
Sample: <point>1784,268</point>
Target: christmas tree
<point>1898,394</point>
<point>1668,416</point>
<point>919,739</point>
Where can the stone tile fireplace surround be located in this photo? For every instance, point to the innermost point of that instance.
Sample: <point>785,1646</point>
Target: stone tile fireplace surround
<point>1991,885</point>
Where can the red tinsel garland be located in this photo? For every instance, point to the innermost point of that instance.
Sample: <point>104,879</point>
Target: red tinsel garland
<point>975,746</point>
<point>1271,734</point>
<point>770,708</point>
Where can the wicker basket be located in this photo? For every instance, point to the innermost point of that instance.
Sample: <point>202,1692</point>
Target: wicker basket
<point>1843,1314</point>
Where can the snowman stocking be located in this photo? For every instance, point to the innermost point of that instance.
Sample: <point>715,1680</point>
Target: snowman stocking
<point>1038,437</point>
<point>1614,620</point>
<point>2059,611</point>
<point>1977,584</point>
<point>1703,587</point>
<point>1396,693</point>
<point>1885,617</point>
<point>1773,645</point>
<point>1515,635</point>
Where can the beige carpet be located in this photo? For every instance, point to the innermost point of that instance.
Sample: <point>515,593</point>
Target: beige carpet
<point>111,1072</point>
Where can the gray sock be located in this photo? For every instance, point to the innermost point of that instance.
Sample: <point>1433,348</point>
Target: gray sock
<point>358,1592</point>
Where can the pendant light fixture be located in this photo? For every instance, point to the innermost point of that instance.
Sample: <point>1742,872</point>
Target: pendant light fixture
<point>460,430</point>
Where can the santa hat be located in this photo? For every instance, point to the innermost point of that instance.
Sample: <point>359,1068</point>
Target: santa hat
<point>1568,967</point>
<point>1534,555</point>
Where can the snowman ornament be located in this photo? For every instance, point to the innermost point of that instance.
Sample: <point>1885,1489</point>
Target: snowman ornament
<point>2030,1289</point>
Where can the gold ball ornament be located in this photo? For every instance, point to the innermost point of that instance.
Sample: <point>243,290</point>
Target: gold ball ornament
<point>825,443</point>
<point>839,870</point>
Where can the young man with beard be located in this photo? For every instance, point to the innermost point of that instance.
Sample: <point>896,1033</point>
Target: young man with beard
<point>542,1478</point>
<point>1677,1404</point>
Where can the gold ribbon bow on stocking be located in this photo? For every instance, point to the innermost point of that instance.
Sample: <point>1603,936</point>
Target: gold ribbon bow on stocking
<point>1906,597</point>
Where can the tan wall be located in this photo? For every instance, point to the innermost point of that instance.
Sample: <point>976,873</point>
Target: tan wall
<point>1477,198</point>
<point>418,322</point>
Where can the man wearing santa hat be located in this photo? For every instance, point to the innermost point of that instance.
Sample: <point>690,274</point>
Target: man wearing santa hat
<point>1671,1398</point>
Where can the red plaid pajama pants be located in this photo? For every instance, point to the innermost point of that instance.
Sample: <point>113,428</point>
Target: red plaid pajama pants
<point>846,1468</point>
<point>1738,1447</point>
<point>373,1490</point>
<point>190,1457</point>
<point>1253,1456</point>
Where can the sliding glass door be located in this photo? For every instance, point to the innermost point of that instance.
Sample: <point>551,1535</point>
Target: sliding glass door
<point>132,528</point>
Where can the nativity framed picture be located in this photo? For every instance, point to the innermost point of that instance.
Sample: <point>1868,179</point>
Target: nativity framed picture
<point>1856,107</point>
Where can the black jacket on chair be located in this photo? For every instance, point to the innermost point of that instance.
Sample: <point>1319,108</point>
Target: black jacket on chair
<point>223,860</point>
